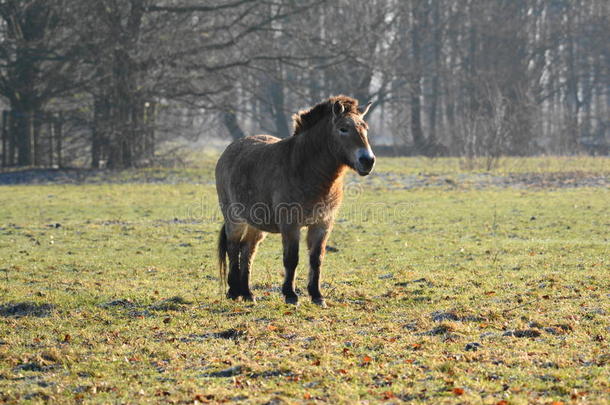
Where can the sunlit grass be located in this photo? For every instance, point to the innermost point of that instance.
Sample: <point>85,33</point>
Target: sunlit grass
<point>503,165</point>
<point>419,274</point>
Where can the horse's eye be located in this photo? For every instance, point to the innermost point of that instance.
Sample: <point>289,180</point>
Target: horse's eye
<point>343,130</point>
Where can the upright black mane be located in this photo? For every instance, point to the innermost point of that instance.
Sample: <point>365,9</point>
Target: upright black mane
<point>307,119</point>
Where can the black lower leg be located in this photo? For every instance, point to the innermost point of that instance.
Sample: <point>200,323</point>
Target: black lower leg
<point>244,282</point>
<point>313,286</point>
<point>291,259</point>
<point>233,279</point>
<point>316,242</point>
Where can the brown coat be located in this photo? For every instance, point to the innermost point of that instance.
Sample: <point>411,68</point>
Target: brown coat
<point>265,184</point>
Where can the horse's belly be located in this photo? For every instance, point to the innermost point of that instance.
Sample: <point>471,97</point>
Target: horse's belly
<point>271,218</point>
<point>265,227</point>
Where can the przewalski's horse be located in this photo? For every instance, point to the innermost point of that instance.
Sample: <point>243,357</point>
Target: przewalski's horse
<point>266,184</point>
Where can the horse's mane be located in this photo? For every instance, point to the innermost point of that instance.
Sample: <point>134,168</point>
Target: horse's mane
<point>306,119</point>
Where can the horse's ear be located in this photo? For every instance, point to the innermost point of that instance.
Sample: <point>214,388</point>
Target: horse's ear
<point>338,109</point>
<point>365,109</point>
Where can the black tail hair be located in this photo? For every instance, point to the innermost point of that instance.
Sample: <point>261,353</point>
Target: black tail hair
<point>222,255</point>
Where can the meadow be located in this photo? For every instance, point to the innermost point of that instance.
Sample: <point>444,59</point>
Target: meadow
<point>445,284</point>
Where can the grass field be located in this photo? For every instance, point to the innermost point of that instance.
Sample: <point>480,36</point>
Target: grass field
<point>445,285</point>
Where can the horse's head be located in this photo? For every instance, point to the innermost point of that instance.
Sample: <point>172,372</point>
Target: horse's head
<point>350,133</point>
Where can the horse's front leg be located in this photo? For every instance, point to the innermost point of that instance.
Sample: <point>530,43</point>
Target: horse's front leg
<point>290,242</point>
<point>317,235</point>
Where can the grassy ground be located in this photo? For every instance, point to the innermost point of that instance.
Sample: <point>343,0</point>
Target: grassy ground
<point>442,292</point>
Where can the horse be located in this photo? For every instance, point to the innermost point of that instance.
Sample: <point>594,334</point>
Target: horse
<point>271,185</point>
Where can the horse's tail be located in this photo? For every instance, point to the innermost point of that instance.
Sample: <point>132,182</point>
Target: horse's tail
<point>222,255</point>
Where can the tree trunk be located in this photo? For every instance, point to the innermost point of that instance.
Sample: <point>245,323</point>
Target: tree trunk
<point>97,133</point>
<point>434,96</point>
<point>229,118</point>
<point>24,136</point>
<point>5,140</point>
<point>59,134</point>
<point>276,92</point>
<point>36,135</point>
<point>416,76</point>
<point>150,120</point>
<point>572,100</point>
<point>123,122</point>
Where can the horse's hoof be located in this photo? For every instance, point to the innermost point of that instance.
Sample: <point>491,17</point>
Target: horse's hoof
<point>233,295</point>
<point>291,300</point>
<point>319,302</point>
<point>249,298</point>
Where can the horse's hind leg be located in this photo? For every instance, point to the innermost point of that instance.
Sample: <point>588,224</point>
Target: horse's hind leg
<point>290,242</point>
<point>249,245</point>
<point>235,233</point>
<point>316,243</point>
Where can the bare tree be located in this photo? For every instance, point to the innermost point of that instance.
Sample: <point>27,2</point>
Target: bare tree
<point>40,50</point>
<point>475,77</point>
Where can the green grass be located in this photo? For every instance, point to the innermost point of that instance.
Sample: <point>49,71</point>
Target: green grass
<point>137,315</point>
<point>503,165</point>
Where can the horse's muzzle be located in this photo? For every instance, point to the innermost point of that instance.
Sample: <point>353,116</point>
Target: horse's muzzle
<point>366,162</point>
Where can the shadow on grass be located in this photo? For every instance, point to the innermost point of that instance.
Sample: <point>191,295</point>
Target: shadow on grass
<point>23,309</point>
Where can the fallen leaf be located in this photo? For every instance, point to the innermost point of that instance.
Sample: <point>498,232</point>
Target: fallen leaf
<point>575,395</point>
<point>388,395</point>
<point>458,391</point>
<point>203,397</point>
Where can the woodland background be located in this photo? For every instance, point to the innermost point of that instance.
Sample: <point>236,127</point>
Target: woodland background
<point>122,83</point>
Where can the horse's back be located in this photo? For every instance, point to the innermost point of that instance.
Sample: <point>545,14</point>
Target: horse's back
<point>244,147</point>
<point>243,152</point>
<point>255,140</point>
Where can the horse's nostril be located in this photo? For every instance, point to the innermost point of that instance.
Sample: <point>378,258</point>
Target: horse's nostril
<point>367,161</point>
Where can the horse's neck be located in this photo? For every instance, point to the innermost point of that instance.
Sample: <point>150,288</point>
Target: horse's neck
<point>317,164</point>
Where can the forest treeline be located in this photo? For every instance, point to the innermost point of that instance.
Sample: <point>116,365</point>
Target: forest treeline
<point>108,81</point>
